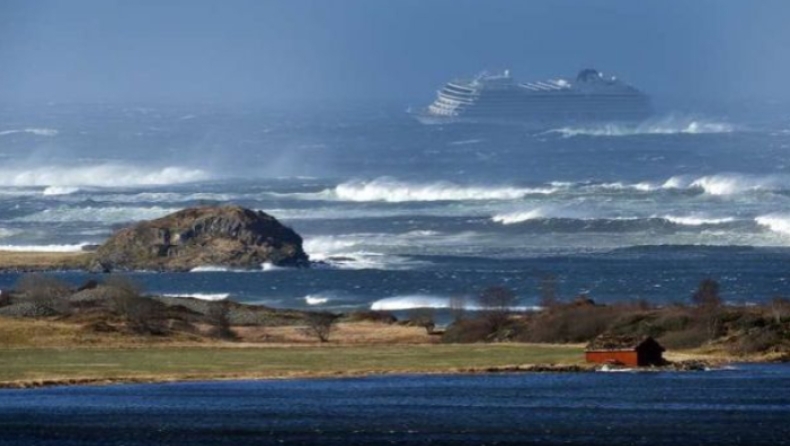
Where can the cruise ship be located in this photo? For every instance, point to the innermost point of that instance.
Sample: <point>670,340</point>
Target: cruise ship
<point>498,98</point>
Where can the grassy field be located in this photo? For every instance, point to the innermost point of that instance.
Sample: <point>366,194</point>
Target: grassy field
<point>42,261</point>
<point>41,365</point>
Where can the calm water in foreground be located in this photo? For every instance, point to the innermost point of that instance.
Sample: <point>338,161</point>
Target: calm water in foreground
<point>749,404</point>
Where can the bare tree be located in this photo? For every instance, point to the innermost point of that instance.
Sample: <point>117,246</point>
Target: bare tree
<point>141,314</point>
<point>780,308</point>
<point>423,317</point>
<point>320,325</point>
<point>218,316</point>
<point>496,302</point>
<point>708,303</point>
<point>458,308</point>
<point>45,290</point>
<point>707,294</point>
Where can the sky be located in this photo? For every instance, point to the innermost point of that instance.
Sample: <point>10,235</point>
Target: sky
<point>303,52</point>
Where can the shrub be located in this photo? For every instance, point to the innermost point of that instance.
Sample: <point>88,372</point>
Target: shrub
<point>218,316</point>
<point>320,325</point>
<point>423,317</point>
<point>45,290</point>
<point>142,315</point>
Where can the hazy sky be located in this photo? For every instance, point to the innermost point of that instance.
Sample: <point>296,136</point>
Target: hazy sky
<point>302,51</point>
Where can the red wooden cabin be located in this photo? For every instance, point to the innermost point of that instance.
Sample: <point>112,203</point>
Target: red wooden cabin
<point>625,350</point>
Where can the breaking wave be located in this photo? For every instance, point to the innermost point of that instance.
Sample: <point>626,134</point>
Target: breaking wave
<point>779,223</point>
<point>354,254</point>
<point>393,191</point>
<point>201,296</point>
<point>105,175</point>
<point>59,190</point>
<point>666,126</point>
<point>32,131</point>
<point>548,213</point>
<point>413,301</point>
<point>44,248</point>
<point>691,220</point>
<point>727,183</point>
<point>315,299</point>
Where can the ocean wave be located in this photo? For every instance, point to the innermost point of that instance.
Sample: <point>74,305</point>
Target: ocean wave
<point>726,183</point>
<point>5,232</point>
<point>109,215</point>
<point>104,175</point>
<point>412,301</point>
<point>315,299</point>
<point>779,223</point>
<point>201,296</point>
<point>665,126</point>
<point>59,190</point>
<point>393,191</point>
<point>355,252</point>
<point>31,130</point>
<point>692,220</point>
<point>44,248</point>
<point>547,213</point>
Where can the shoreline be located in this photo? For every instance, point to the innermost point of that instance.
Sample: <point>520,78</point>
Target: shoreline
<point>130,380</point>
<point>232,362</point>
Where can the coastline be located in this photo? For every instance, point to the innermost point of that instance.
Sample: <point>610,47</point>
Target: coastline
<point>58,351</point>
<point>223,362</point>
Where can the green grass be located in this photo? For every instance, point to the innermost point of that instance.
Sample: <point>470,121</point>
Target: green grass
<point>168,363</point>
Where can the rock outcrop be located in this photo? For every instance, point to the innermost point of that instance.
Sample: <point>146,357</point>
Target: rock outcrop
<point>229,236</point>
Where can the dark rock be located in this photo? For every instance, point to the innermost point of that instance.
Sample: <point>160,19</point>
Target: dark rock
<point>229,236</point>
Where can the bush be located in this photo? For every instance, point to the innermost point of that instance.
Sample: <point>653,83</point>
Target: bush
<point>218,317</point>
<point>142,315</point>
<point>320,325</point>
<point>45,290</point>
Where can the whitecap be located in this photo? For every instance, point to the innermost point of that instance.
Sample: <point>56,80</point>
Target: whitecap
<point>31,130</point>
<point>693,220</point>
<point>201,296</point>
<point>393,191</point>
<point>412,301</point>
<point>779,223</point>
<point>45,248</point>
<point>316,299</point>
<point>669,125</point>
<point>60,190</point>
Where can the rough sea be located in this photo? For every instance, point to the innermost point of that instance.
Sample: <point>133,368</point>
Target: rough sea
<point>398,214</point>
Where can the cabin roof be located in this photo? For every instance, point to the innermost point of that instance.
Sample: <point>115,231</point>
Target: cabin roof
<point>611,342</point>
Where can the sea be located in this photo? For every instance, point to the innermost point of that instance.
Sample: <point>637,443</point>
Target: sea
<point>741,405</point>
<point>397,215</point>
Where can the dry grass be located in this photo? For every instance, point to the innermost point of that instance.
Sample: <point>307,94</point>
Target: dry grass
<point>30,366</point>
<point>41,261</point>
<point>353,333</point>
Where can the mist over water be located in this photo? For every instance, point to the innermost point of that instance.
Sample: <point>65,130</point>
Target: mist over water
<point>401,214</point>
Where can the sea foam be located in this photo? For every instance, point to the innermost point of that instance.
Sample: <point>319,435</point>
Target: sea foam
<point>201,296</point>
<point>779,223</point>
<point>31,130</point>
<point>663,126</point>
<point>44,248</point>
<point>394,191</point>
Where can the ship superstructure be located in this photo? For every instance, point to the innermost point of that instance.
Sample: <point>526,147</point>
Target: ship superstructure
<point>590,97</point>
